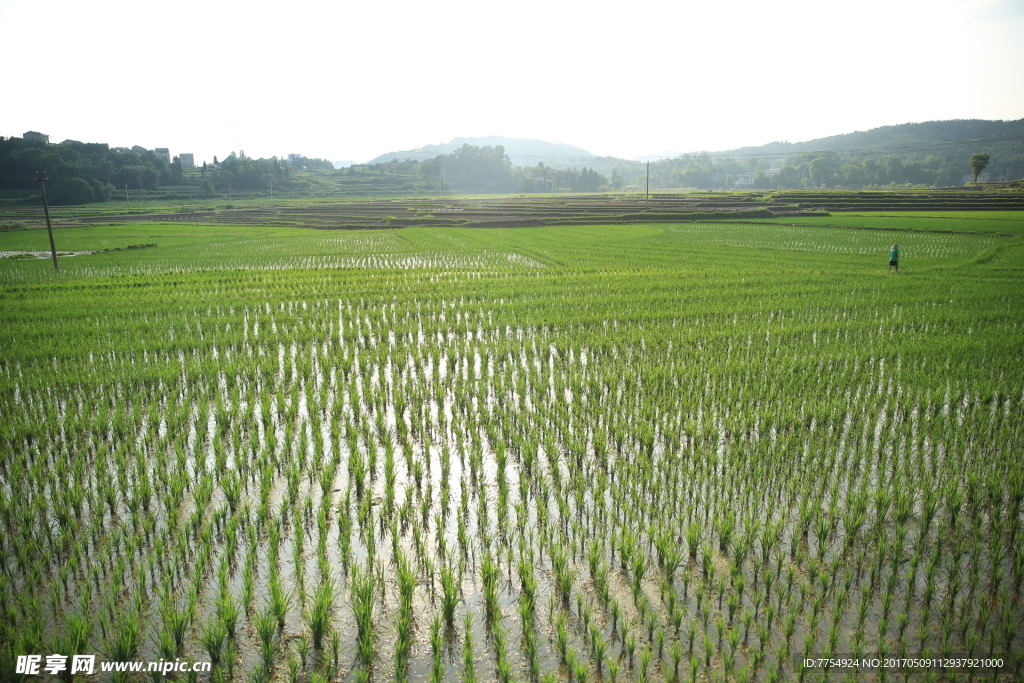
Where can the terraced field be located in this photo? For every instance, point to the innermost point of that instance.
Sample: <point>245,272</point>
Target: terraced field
<point>529,210</point>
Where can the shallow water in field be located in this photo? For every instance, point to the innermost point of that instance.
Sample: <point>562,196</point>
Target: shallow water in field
<point>558,431</point>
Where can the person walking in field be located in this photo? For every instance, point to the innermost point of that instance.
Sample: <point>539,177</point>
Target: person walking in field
<point>894,258</point>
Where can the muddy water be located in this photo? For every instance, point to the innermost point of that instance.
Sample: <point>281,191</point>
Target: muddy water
<point>564,510</point>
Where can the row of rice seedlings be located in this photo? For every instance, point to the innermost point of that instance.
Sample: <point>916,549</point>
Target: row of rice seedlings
<point>564,480</point>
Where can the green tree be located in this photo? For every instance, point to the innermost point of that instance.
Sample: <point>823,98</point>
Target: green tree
<point>616,181</point>
<point>894,170</point>
<point>978,164</point>
<point>71,191</point>
<point>788,177</point>
<point>176,175</point>
<point>821,171</point>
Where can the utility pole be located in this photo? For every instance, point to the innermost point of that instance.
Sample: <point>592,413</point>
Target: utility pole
<point>271,189</point>
<point>41,178</point>
<point>128,201</point>
<point>648,184</point>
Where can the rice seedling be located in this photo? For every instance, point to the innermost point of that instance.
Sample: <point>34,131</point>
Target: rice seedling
<point>646,655</point>
<point>265,624</point>
<point>227,612</point>
<point>212,637</point>
<point>450,595</point>
<point>230,658</point>
<point>362,597</point>
<point>630,640</point>
<point>176,622</point>
<point>279,600</point>
<point>468,666</point>
<point>562,635</point>
<point>293,667</point>
<point>676,653</point>
<point>319,612</point>
<point>436,643</point>
<point>404,641</point>
<point>489,578</point>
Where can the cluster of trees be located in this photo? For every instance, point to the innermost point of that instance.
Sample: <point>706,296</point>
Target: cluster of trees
<point>239,172</point>
<point>810,170</point>
<point>470,169</point>
<point>541,178</point>
<point>242,173</point>
<point>466,170</point>
<point>831,169</point>
<point>487,169</point>
<point>78,172</point>
<point>307,164</point>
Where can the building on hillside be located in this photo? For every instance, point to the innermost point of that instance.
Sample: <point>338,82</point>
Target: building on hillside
<point>163,153</point>
<point>982,177</point>
<point>187,160</point>
<point>32,136</point>
<point>294,159</point>
<point>139,150</point>
<point>772,172</point>
<point>745,180</point>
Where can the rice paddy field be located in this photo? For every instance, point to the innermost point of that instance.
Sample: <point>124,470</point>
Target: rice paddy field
<point>665,452</point>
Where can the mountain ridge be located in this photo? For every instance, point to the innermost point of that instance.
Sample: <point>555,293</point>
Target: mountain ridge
<point>914,139</point>
<point>895,139</point>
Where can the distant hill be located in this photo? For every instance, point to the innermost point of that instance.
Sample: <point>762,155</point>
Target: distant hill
<point>521,152</point>
<point>909,139</point>
<point>909,155</point>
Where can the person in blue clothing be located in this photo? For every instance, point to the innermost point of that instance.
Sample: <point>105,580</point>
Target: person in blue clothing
<point>894,258</point>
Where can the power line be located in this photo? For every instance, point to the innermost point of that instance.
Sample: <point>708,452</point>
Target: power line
<point>16,177</point>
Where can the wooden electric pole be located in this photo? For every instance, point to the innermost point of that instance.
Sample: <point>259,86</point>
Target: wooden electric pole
<point>41,179</point>
<point>648,185</point>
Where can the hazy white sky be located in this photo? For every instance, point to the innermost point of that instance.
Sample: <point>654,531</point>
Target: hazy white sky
<point>351,80</point>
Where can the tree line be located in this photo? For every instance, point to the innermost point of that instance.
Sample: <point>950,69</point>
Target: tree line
<point>78,172</point>
<point>818,169</point>
<point>85,172</point>
<point>488,169</point>
<point>92,172</point>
